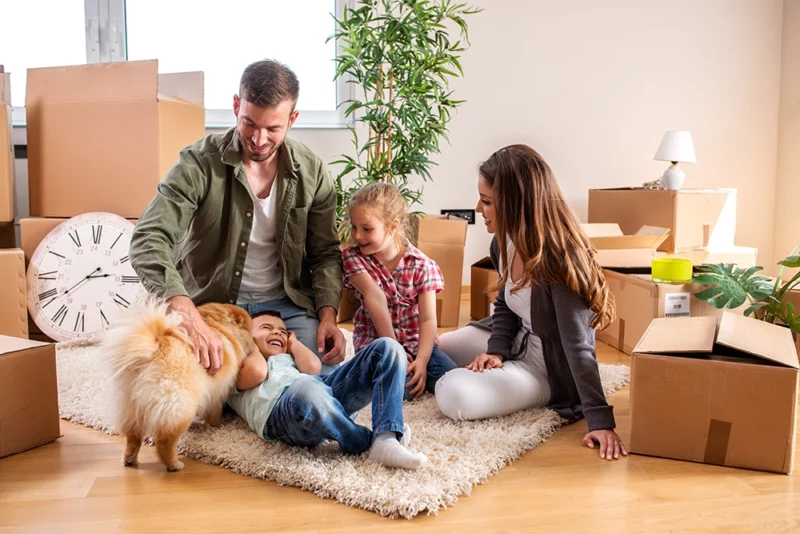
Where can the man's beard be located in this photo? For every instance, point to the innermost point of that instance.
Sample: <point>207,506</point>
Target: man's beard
<point>258,156</point>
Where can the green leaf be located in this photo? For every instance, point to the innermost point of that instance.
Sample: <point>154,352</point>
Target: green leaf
<point>792,262</point>
<point>731,286</point>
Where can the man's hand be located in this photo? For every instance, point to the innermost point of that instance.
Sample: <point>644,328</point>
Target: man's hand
<point>417,371</point>
<point>485,361</point>
<point>329,333</point>
<point>610,443</point>
<point>207,344</point>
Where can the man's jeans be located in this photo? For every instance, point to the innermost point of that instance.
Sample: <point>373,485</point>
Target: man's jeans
<point>298,321</point>
<point>315,408</point>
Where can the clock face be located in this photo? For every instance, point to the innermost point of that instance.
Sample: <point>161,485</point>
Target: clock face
<point>80,277</point>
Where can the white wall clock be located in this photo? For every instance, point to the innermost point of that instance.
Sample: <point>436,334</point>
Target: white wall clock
<point>80,277</point>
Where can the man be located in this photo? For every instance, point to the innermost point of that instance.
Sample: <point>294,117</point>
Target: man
<point>248,217</point>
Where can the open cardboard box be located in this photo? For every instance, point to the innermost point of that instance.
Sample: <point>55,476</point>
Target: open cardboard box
<point>6,151</point>
<point>696,218</point>
<point>720,395</point>
<point>442,239</point>
<point>616,249</point>
<point>101,136</point>
<point>482,277</point>
<point>639,300</point>
<point>28,395</point>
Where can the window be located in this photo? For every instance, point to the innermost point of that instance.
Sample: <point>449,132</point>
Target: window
<point>218,38</point>
<point>221,39</point>
<point>43,33</point>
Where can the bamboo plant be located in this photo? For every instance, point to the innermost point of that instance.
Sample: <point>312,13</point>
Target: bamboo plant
<point>400,57</point>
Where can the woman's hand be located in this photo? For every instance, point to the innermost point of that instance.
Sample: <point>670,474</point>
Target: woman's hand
<point>610,443</point>
<point>485,361</point>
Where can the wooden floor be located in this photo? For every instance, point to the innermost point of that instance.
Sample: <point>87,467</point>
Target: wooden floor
<point>78,484</point>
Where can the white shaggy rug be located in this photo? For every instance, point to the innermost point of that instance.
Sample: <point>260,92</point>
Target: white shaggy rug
<point>460,454</point>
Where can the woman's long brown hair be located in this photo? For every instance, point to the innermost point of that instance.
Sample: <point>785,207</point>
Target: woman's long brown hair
<point>530,210</point>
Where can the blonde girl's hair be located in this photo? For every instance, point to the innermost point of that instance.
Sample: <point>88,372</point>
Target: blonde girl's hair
<point>531,212</point>
<point>383,201</point>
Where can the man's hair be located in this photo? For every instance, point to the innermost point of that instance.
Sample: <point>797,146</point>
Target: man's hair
<point>267,83</point>
<point>271,313</point>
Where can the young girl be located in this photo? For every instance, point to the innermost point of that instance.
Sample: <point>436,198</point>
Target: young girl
<point>538,347</point>
<point>396,284</point>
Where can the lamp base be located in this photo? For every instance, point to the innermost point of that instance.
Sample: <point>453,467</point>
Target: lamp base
<point>673,177</point>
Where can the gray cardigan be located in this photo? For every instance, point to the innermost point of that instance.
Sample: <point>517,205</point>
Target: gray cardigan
<point>562,320</point>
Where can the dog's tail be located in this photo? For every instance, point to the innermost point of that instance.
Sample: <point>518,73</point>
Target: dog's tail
<point>146,349</point>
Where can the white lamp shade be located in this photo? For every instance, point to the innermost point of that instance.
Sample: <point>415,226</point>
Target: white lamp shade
<point>676,146</point>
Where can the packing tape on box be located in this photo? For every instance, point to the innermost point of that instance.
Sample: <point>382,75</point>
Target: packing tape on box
<point>621,334</point>
<point>719,433</point>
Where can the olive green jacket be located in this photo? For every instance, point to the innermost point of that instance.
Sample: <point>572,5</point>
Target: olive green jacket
<point>192,238</point>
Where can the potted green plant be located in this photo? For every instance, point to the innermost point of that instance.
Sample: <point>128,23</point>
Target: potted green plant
<point>400,57</point>
<point>732,287</point>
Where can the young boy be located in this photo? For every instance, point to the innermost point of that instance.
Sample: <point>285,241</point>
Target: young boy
<point>281,397</point>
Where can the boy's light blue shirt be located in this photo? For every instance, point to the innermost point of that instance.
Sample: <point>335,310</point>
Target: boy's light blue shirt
<point>254,405</point>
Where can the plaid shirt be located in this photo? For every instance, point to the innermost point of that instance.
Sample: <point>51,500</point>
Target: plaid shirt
<point>415,273</point>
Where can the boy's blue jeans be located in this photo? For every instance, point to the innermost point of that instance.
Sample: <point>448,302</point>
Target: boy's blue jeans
<point>315,408</point>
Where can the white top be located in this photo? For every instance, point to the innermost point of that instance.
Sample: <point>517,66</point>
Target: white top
<point>262,278</point>
<point>519,302</point>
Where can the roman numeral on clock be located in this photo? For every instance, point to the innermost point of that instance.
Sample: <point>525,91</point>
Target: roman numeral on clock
<point>47,275</point>
<point>103,320</point>
<point>56,254</point>
<point>79,322</point>
<point>124,259</point>
<point>75,238</point>
<point>97,231</point>
<point>130,279</point>
<point>115,241</point>
<point>120,301</point>
<point>61,314</point>
<point>47,294</point>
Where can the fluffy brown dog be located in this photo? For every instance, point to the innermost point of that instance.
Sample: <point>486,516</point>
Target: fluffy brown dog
<point>159,385</point>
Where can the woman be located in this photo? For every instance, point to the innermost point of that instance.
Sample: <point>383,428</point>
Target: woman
<point>538,347</point>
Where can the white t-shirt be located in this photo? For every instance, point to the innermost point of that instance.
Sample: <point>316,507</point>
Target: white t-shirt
<point>262,279</point>
<point>519,302</point>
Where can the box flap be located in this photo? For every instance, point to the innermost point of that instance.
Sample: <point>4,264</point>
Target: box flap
<point>121,80</point>
<point>758,338</point>
<point>602,229</point>
<point>484,263</point>
<point>5,88</point>
<point>181,86</point>
<point>442,230</point>
<point>14,344</point>
<point>609,236</point>
<point>678,335</point>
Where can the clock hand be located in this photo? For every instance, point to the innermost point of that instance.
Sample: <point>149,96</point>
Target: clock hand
<point>83,280</point>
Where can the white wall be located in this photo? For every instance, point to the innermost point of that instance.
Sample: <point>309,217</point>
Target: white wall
<point>787,204</point>
<point>593,86</point>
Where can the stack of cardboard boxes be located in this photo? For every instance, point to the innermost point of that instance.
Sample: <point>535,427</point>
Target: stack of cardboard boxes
<point>100,137</point>
<point>631,227</point>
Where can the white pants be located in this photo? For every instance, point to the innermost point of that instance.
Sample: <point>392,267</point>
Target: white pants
<point>518,385</point>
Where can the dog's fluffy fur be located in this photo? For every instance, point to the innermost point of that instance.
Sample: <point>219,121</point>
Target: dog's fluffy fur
<point>159,385</point>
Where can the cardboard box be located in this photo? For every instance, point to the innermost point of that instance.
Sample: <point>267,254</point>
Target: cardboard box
<point>696,218</point>
<point>8,235</point>
<point>101,136</point>
<point>28,395</point>
<point>482,277</point>
<point>639,300</point>
<point>742,256</point>
<point>13,294</point>
<point>616,249</point>
<point>442,239</point>
<point>348,305</point>
<point>6,151</point>
<point>723,397</point>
